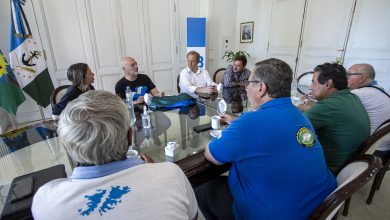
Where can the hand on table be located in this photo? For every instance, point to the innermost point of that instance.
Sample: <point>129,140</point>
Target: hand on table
<point>306,106</point>
<point>226,118</point>
<point>305,97</point>
<point>139,100</point>
<point>207,89</point>
<point>146,158</point>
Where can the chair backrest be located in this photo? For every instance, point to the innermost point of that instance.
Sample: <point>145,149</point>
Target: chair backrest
<point>303,82</point>
<point>381,134</point>
<point>218,75</point>
<point>57,94</point>
<point>351,178</point>
<point>384,124</point>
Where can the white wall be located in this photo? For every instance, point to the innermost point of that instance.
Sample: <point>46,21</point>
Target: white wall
<point>4,26</point>
<point>247,11</point>
<point>221,25</point>
<point>368,40</point>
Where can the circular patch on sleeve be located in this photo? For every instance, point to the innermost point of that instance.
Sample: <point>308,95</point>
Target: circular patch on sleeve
<point>305,137</point>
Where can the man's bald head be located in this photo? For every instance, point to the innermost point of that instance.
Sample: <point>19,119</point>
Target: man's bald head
<point>360,75</point>
<point>127,60</point>
<point>365,69</point>
<point>129,67</point>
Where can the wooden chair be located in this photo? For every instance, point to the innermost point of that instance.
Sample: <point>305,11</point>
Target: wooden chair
<point>369,146</point>
<point>378,179</point>
<point>350,179</point>
<point>218,75</point>
<point>57,94</point>
<point>383,133</point>
<point>375,139</point>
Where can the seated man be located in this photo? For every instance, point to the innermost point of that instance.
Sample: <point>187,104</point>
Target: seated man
<point>277,172</point>
<point>140,84</point>
<point>361,81</point>
<point>236,74</point>
<point>194,79</point>
<point>339,117</point>
<point>95,130</point>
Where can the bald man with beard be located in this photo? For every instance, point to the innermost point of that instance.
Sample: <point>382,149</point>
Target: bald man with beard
<point>140,84</point>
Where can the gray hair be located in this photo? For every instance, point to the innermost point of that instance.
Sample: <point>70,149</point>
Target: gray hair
<point>76,74</point>
<point>94,127</point>
<point>276,74</point>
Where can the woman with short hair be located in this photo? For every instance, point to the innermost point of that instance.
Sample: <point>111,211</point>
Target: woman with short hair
<point>82,78</point>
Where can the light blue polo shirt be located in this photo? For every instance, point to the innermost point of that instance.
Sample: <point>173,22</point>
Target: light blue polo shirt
<point>278,170</point>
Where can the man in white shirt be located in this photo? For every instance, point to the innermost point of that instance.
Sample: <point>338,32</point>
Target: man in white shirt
<point>194,80</point>
<point>95,131</point>
<point>374,98</point>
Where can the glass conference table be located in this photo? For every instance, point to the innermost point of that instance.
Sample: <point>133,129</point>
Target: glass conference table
<point>37,147</point>
<point>27,150</point>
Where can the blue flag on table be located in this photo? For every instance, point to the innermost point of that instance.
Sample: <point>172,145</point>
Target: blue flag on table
<point>27,61</point>
<point>11,95</point>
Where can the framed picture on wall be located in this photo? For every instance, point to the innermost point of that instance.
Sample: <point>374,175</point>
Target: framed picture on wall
<point>246,32</point>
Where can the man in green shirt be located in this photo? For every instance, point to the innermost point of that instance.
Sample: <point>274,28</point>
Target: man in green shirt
<point>339,118</point>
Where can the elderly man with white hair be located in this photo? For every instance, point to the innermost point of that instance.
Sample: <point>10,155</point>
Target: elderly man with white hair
<point>95,130</point>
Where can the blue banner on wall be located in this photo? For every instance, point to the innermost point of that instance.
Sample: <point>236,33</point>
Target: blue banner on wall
<point>196,38</point>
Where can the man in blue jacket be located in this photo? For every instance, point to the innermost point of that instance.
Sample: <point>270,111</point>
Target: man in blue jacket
<point>278,168</point>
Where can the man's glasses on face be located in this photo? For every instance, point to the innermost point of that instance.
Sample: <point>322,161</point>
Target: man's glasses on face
<point>251,81</point>
<point>354,74</point>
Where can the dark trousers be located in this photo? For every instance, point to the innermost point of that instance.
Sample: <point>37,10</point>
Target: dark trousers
<point>214,199</point>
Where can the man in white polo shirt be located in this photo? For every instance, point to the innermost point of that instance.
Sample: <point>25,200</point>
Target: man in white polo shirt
<point>194,80</point>
<point>361,81</point>
<point>95,131</point>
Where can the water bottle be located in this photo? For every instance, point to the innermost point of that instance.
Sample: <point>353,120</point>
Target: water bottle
<point>294,92</point>
<point>294,85</point>
<point>130,105</point>
<point>129,95</point>
<point>145,119</point>
<point>147,99</point>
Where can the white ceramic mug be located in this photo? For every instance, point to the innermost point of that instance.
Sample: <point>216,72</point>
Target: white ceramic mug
<point>215,122</point>
<point>132,153</point>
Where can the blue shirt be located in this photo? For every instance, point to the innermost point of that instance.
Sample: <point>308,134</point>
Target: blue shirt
<point>275,174</point>
<point>90,172</point>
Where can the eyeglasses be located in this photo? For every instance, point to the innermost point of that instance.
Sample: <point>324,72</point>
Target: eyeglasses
<point>251,81</point>
<point>354,74</point>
